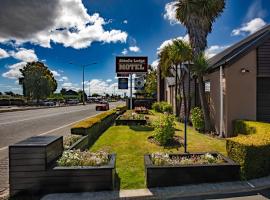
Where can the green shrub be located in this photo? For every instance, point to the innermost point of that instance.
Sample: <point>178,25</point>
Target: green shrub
<point>121,108</point>
<point>164,129</point>
<point>156,106</point>
<point>197,118</point>
<point>162,107</point>
<point>251,148</point>
<point>167,108</point>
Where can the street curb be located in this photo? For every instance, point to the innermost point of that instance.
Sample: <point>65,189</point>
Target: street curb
<point>171,192</point>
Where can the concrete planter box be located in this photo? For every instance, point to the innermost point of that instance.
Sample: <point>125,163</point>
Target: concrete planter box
<point>129,122</point>
<point>162,176</point>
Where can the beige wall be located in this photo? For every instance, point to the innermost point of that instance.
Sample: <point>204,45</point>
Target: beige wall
<point>241,90</point>
<point>240,93</point>
<point>214,99</point>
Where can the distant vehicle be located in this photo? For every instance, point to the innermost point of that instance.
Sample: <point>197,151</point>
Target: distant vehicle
<point>48,103</point>
<point>72,101</point>
<point>102,105</point>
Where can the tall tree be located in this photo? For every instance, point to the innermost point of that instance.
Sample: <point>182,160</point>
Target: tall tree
<point>198,16</point>
<point>151,82</point>
<point>37,81</point>
<point>172,57</point>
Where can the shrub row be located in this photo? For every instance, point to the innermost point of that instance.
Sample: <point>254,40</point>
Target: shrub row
<point>162,107</point>
<point>12,101</point>
<point>251,148</point>
<point>121,109</point>
<point>94,126</point>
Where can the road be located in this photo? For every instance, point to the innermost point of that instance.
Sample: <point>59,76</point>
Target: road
<point>19,125</point>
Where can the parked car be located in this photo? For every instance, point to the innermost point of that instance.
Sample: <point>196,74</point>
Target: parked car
<point>48,103</point>
<point>72,101</point>
<point>102,105</point>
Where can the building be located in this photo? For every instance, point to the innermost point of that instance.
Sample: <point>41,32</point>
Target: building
<point>238,80</point>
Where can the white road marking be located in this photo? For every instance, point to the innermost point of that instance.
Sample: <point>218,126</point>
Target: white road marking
<point>3,148</point>
<point>251,185</point>
<point>66,125</point>
<point>42,116</point>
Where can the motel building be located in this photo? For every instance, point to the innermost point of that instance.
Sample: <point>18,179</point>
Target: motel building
<point>237,83</point>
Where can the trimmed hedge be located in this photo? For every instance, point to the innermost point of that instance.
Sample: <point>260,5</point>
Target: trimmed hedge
<point>121,109</point>
<point>251,148</point>
<point>94,126</point>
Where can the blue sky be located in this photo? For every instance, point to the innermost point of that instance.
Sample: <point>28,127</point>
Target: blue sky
<point>97,30</point>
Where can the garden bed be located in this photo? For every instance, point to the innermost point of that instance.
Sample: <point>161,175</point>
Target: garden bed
<point>168,174</point>
<point>130,119</point>
<point>35,168</point>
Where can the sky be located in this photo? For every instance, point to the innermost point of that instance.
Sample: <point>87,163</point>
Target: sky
<point>81,32</point>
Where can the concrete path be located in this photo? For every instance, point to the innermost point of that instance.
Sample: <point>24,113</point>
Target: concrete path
<point>248,190</point>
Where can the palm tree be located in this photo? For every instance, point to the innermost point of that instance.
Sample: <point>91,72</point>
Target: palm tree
<point>198,17</point>
<point>171,57</point>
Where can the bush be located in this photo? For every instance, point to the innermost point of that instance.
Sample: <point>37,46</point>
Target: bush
<point>251,148</point>
<point>69,140</point>
<point>162,107</point>
<point>197,118</point>
<point>164,129</point>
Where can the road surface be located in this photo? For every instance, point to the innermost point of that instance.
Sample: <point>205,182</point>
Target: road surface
<point>19,125</point>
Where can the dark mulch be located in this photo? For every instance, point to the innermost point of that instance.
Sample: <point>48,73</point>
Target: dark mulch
<point>175,143</point>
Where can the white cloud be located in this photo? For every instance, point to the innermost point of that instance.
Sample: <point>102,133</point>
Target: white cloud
<point>249,27</point>
<point>215,49</point>
<point>155,64</point>
<point>71,86</point>
<point>67,84</point>
<point>100,87</point>
<point>3,54</point>
<point>125,51</point>
<point>63,78</point>
<point>26,55</point>
<point>256,10</point>
<point>170,41</point>
<point>14,71</point>
<point>65,22</point>
<point>55,73</point>
<point>109,80</point>
<point>125,21</point>
<point>134,49</point>
<point>170,13</point>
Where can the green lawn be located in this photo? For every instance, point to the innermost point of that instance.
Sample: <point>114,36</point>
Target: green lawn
<point>130,144</point>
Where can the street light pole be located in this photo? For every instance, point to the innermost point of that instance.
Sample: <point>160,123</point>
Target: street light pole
<point>83,66</point>
<point>83,87</point>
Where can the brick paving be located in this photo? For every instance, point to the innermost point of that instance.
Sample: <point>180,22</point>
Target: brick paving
<point>4,185</point>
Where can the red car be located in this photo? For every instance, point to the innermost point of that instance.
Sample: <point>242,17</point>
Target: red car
<point>102,106</point>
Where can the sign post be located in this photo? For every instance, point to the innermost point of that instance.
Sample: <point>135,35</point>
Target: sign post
<point>130,103</point>
<point>127,66</point>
